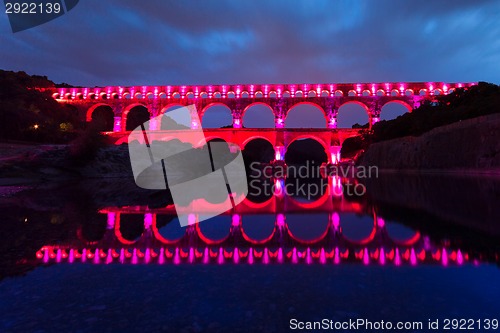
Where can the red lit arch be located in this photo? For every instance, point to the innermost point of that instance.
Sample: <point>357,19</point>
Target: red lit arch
<point>93,108</point>
<point>307,103</point>
<point>127,110</point>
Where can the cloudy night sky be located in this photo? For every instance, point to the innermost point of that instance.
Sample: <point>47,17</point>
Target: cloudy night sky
<point>186,42</point>
<point>126,42</point>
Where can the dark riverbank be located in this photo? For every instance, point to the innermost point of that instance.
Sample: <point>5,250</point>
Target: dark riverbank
<point>469,146</point>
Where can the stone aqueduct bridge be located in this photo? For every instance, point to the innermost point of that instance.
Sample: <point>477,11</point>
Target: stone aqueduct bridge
<point>279,98</point>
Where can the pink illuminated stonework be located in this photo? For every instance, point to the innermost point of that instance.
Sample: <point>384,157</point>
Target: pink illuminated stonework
<point>279,98</point>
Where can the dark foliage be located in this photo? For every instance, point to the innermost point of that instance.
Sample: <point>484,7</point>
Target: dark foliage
<point>85,147</point>
<point>461,104</point>
<point>479,100</point>
<point>29,113</point>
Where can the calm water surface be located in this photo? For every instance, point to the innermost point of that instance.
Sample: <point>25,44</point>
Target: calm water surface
<point>77,259</point>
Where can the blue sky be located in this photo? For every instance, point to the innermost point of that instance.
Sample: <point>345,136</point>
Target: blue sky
<point>199,42</point>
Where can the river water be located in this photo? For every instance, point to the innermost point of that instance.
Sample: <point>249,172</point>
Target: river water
<point>101,257</point>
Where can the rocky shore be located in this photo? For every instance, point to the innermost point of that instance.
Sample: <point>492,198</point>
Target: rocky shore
<point>469,145</point>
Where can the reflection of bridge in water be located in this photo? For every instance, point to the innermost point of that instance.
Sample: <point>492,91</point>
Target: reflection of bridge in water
<point>341,232</point>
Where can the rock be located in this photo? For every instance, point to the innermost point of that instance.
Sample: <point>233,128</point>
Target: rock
<point>466,145</point>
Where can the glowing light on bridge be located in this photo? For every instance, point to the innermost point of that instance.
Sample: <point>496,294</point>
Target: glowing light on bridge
<point>218,255</point>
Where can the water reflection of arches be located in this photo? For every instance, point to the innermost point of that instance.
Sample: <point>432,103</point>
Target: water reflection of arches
<point>401,234</point>
<point>304,228</point>
<point>166,229</point>
<point>314,231</point>
<point>214,230</point>
<point>258,229</point>
<point>359,229</point>
<point>304,148</point>
<point>310,202</point>
<point>134,227</point>
<point>304,238</point>
<point>94,228</point>
<point>257,154</point>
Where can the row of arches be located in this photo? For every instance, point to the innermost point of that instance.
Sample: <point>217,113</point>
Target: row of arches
<point>259,229</point>
<point>358,92</point>
<point>256,115</point>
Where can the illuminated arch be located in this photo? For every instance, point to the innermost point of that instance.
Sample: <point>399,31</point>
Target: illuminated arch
<point>256,137</point>
<point>405,104</point>
<point>395,101</point>
<point>171,105</point>
<point>92,109</point>
<point>324,144</point>
<point>207,139</point>
<point>341,112</point>
<point>395,92</point>
<point>126,111</point>
<point>244,113</point>
<point>181,118</point>
<point>103,118</point>
<point>319,108</point>
<point>204,110</point>
<point>437,92</point>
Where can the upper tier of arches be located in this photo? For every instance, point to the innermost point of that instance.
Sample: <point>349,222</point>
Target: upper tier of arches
<point>259,91</point>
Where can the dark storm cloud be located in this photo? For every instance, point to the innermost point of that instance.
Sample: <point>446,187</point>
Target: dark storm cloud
<point>183,42</point>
